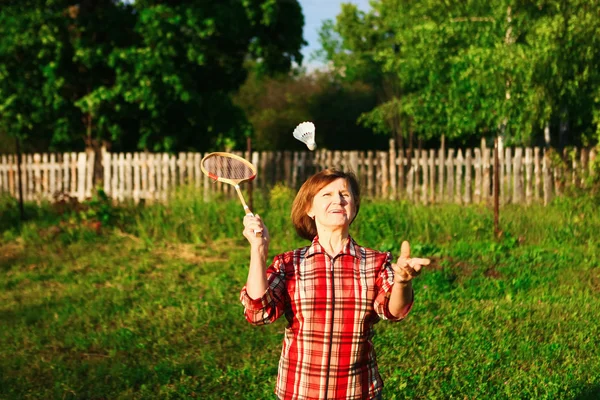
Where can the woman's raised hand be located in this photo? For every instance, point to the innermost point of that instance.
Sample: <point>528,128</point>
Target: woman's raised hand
<point>255,231</point>
<point>406,268</point>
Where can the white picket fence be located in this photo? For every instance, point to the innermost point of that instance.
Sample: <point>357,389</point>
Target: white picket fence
<point>44,176</point>
<point>526,175</point>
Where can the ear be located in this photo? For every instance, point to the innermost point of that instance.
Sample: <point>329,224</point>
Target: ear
<point>310,213</point>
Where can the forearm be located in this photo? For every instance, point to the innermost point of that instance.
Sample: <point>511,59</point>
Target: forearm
<point>256,285</point>
<point>401,298</point>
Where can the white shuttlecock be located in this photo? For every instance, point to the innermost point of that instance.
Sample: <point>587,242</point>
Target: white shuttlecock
<point>305,132</point>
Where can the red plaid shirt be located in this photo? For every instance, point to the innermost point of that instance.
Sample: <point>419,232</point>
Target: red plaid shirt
<point>331,305</point>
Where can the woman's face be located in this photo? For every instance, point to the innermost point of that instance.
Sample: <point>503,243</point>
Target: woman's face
<point>333,205</point>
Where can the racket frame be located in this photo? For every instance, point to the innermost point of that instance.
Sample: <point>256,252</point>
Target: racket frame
<point>234,182</point>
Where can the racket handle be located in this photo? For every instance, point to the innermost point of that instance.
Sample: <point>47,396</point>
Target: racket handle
<point>250,214</point>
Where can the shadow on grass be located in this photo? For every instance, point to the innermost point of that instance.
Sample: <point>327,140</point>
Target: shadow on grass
<point>590,392</point>
<point>11,215</point>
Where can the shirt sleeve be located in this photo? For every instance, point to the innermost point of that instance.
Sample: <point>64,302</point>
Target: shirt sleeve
<point>384,283</point>
<point>267,308</point>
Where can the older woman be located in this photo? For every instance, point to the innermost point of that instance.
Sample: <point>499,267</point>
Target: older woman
<point>331,293</point>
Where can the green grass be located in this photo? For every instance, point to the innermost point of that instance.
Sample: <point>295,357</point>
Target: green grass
<point>146,305</point>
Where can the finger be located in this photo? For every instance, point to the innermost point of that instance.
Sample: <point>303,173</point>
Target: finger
<point>403,274</point>
<point>405,250</point>
<point>251,221</point>
<point>401,262</point>
<point>412,271</point>
<point>419,261</point>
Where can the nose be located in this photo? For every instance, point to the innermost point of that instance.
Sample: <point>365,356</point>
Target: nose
<point>342,199</point>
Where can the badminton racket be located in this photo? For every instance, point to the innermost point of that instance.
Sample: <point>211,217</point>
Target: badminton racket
<point>231,169</point>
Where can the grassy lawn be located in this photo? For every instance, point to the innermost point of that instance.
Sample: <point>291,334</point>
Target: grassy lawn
<point>146,305</point>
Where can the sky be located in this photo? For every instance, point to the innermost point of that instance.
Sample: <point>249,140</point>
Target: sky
<point>315,12</point>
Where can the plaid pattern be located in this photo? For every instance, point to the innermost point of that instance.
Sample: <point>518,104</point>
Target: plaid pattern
<point>331,306</point>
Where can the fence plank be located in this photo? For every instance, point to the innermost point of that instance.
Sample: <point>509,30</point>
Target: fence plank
<point>28,177</point>
<point>144,175</point>
<point>370,174</point>
<point>89,181</point>
<point>52,175</point>
<point>287,168</point>
<point>12,175</point>
<point>537,171</point>
<point>450,176</point>
<point>424,168</point>
<point>508,184</point>
<point>441,167</point>
<point>354,162</point>
<point>547,176</point>
<point>46,192</point>
<point>81,176</point>
<point>384,177</point>
<point>106,163</point>
<point>528,175</point>
<point>3,168</point>
<point>503,176</point>
<point>137,177</point>
<point>468,176</point>
<point>459,164</point>
<point>410,179</point>
<point>393,170</point>
<point>518,177</point>
<point>478,175</point>
<point>485,186</point>
<point>37,176</point>
<point>432,180</point>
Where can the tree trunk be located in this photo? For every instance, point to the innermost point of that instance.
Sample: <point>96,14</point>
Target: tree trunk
<point>95,146</point>
<point>563,138</point>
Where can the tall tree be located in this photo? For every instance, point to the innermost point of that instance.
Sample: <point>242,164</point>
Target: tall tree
<point>467,69</point>
<point>150,74</point>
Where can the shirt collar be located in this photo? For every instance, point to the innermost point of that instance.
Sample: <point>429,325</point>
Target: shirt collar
<point>350,248</point>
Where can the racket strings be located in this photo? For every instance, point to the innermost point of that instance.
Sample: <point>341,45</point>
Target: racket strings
<point>228,168</point>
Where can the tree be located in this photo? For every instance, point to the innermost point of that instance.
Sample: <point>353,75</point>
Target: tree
<point>562,47</point>
<point>472,69</point>
<point>153,75</point>
<point>275,106</point>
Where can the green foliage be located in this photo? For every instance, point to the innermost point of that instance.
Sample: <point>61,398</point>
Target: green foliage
<point>467,70</point>
<point>275,106</point>
<point>142,75</point>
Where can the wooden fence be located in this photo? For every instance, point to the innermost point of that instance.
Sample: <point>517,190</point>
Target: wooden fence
<point>46,176</point>
<point>526,175</point>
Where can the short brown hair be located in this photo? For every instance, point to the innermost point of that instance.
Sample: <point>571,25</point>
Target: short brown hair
<point>305,226</point>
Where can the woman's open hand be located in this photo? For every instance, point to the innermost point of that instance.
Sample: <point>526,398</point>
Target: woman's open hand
<point>406,268</point>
